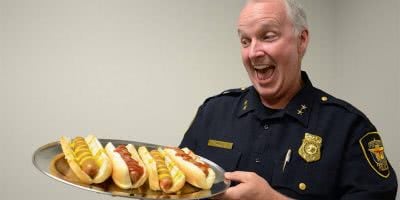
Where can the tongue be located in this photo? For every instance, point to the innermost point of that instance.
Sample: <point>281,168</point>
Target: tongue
<point>265,73</point>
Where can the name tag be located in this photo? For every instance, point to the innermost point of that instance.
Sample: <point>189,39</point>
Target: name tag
<point>220,144</point>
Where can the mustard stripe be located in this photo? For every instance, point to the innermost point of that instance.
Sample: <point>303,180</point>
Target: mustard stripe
<point>83,155</point>
<point>78,143</point>
<point>163,170</point>
<point>81,150</point>
<point>83,160</point>
<point>161,165</point>
<point>161,176</point>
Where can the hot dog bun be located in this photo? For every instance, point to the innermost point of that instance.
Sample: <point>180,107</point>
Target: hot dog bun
<point>151,167</point>
<point>92,166</point>
<point>121,174</point>
<point>178,177</point>
<point>164,174</point>
<point>194,174</point>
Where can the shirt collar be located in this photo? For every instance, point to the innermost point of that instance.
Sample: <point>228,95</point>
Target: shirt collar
<point>299,107</point>
<point>248,103</point>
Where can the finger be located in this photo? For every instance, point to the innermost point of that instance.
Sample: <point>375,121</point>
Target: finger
<point>219,196</point>
<point>231,193</point>
<point>239,176</point>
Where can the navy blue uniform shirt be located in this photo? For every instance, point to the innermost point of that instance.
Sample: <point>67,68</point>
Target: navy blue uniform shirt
<point>335,151</point>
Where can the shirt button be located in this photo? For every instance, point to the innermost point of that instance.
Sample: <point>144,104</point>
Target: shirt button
<point>266,126</point>
<point>302,186</point>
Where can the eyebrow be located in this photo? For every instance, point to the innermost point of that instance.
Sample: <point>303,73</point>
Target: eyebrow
<point>240,33</point>
<point>264,26</point>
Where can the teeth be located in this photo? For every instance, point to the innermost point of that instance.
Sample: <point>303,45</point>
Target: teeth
<point>260,67</point>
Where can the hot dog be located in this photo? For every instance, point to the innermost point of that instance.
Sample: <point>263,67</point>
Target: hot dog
<point>128,169</point>
<point>164,174</point>
<point>197,172</point>
<point>87,158</point>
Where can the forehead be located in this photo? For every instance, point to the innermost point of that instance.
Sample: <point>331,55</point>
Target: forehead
<point>268,11</point>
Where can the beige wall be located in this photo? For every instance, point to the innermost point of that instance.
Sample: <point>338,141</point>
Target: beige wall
<point>138,70</point>
<point>364,61</point>
<point>367,64</point>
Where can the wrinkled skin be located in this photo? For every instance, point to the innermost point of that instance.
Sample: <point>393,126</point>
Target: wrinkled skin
<point>268,39</point>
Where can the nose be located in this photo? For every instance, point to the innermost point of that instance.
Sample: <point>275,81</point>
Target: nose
<point>256,50</point>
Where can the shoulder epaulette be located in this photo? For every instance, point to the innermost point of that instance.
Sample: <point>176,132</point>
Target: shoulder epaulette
<point>329,99</point>
<point>230,92</point>
<point>234,91</point>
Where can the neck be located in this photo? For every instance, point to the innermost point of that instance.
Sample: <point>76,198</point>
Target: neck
<point>283,100</point>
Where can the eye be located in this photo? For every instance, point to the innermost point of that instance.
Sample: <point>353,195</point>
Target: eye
<point>244,42</point>
<point>270,36</point>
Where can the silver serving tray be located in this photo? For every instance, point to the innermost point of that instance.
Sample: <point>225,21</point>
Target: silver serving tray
<point>51,155</point>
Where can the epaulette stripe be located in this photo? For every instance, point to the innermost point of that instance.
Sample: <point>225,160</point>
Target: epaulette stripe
<point>236,90</point>
<point>230,92</point>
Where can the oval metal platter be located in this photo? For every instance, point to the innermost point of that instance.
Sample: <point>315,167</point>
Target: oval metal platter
<point>49,159</point>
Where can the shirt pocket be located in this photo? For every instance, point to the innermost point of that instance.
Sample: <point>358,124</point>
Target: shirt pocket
<point>305,179</point>
<point>227,159</point>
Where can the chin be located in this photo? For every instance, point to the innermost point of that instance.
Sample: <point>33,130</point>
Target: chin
<point>264,92</point>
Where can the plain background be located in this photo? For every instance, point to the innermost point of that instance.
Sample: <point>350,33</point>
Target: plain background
<point>138,70</point>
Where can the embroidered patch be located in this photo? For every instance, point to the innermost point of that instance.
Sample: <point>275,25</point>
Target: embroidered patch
<point>372,147</point>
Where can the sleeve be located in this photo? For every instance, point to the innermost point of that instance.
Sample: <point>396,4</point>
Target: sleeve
<point>190,139</point>
<point>366,172</point>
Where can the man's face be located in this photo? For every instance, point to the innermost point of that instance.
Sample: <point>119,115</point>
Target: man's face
<point>271,51</point>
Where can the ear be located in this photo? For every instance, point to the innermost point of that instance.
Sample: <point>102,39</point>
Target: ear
<point>302,42</point>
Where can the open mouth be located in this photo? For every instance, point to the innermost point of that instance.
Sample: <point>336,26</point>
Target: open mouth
<point>264,72</point>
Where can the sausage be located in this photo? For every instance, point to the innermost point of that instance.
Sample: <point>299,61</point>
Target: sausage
<point>164,176</point>
<point>84,157</point>
<point>135,170</point>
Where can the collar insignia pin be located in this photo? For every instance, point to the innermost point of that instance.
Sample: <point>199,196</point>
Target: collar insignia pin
<point>245,104</point>
<point>300,112</point>
<point>302,109</point>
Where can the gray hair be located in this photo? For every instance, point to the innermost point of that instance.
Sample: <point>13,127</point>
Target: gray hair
<point>295,12</point>
<point>297,15</point>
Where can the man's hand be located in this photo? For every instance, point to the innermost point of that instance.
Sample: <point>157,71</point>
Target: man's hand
<point>251,186</point>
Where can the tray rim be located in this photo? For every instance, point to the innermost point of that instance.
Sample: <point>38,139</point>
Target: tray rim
<point>103,141</point>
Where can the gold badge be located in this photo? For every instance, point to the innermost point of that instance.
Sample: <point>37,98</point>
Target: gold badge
<point>220,144</point>
<point>372,147</point>
<point>310,149</point>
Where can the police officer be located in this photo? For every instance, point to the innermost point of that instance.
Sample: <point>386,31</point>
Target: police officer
<point>282,137</point>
